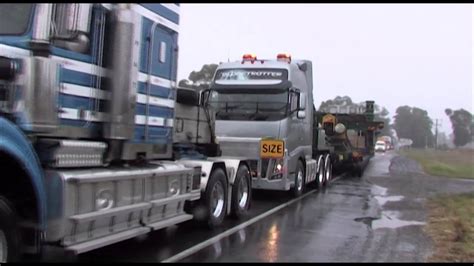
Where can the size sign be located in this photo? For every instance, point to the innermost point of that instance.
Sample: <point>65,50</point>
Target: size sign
<point>271,148</point>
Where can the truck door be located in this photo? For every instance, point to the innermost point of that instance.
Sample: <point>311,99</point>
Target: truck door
<point>296,129</point>
<point>156,88</point>
<point>77,43</point>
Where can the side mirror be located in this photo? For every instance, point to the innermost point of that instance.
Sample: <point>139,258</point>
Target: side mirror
<point>187,97</point>
<point>204,96</point>
<point>71,24</point>
<point>71,19</point>
<point>302,101</point>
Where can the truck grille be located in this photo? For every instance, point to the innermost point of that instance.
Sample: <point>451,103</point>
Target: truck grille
<point>265,163</point>
<point>254,167</point>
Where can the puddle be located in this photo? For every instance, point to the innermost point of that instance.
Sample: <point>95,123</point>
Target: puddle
<point>366,220</point>
<point>382,200</point>
<point>380,218</point>
<point>387,219</point>
<point>378,190</point>
<point>380,195</point>
<point>390,220</point>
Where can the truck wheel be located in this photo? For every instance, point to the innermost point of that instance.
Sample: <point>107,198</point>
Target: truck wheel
<point>216,198</point>
<point>359,171</point>
<point>356,170</point>
<point>9,236</point>
<point>241,193</point>
<point>320,178</point>
<point>327,169</point>
<point>299,180</point>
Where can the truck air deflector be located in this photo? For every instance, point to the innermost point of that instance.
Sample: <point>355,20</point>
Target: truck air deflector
<point>280,86</point>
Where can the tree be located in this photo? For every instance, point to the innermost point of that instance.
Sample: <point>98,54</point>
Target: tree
<point>345,103</point>
<point>463,126</point>
<point>199,79</point>
<point>185,83</point>
<point>415,124</point>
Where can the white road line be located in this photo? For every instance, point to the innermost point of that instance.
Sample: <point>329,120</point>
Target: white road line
<point>338,177</point>
<point>213,240</point>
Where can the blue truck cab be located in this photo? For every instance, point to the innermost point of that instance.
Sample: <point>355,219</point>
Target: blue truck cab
<point>88,107</point>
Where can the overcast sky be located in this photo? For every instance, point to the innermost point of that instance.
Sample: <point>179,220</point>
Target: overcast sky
<point>396,54</point>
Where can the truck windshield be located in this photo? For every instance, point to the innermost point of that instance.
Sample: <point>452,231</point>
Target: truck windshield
<point>14,18</point>
<point>256,105</point>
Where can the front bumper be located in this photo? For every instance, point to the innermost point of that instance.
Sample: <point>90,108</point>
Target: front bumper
<point>278,184</point>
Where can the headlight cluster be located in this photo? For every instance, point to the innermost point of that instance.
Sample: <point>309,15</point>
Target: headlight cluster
<point>278,169</point>
<point>104,200</point>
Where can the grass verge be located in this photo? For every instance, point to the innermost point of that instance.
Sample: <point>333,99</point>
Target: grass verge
<point>451,226</point>
<point>449,163</point>
<point>450,217</point>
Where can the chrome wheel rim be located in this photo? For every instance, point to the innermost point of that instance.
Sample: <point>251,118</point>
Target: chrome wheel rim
<point>3,247</point>
<point>243,192</point>
<point>217,199</point>
<point>321,175</point>
<point>328,172</point>
<point>299,179</point>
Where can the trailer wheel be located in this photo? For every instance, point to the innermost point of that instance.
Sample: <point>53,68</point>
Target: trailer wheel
<point>9,235</point>
<point>359,171</point>
<point>216,198</point>
<point>356,170</point>
<point>327,169</point>
<point>299,180</point>
<point>241,192</point>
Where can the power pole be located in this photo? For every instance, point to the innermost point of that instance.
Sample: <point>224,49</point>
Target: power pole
<point>436,135</point>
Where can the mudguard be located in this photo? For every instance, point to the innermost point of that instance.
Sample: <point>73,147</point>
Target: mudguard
<point>15,144</point>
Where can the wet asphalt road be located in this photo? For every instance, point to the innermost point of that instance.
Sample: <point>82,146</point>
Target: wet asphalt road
<point>376,218</point>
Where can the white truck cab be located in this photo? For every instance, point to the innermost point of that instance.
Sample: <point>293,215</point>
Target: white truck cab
<point>380,146</point>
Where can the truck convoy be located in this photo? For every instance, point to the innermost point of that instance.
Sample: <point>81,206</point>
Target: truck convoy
<point>352,135</point>
<point>265,112</point>
<point>97,145</point>
<point>388,142</point>
<point>380,146</point>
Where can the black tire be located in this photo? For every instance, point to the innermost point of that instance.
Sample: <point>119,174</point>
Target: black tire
<point>359,171</point>
<point>241,193</point>
<point>9,232</point>
<point>217,184</point>
<point>298,187</point>
<point>356,170</point>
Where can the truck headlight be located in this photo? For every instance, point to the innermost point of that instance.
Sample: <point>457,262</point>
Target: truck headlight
<point>278,169</point>
<point>279,166</point>
<point>174,187</point>
<point>104,200</point>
